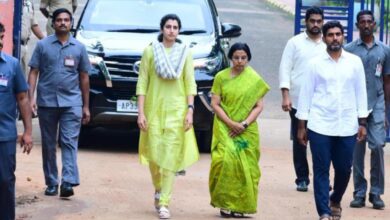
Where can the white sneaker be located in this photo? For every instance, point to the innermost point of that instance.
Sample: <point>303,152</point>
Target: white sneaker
<point>164,213</point>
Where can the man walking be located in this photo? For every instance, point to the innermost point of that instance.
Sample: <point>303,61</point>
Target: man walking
<point>62,64</point>
<point>13,90</point>
<point>47,7</point>
<point>376,61</point>
<point>29,24</point>
<point>298,51</point>
<point>333,102</point>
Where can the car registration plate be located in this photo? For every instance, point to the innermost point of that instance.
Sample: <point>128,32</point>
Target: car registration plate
<point>126,106</point>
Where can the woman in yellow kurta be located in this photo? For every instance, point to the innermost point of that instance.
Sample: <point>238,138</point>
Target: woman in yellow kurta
<point>237,95</point>
<point>166,89</point>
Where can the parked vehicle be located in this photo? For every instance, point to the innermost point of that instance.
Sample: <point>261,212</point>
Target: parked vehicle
<point>116,32</point>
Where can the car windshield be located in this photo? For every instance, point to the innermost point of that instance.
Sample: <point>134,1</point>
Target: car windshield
<point>143,16</point>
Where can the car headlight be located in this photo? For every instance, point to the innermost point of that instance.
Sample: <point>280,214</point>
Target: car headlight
<point>209,63</point>
<point>94,59</point>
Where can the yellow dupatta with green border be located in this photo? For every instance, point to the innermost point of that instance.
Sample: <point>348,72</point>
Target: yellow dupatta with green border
<point>235,173</point>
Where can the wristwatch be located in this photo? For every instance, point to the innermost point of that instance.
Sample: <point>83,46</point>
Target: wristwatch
<point>245,124</point>
<point>192,107</point>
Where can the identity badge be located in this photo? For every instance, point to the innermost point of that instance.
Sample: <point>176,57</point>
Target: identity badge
<point>378,71</point>
<point>69,61</point>
<point>3,80</point>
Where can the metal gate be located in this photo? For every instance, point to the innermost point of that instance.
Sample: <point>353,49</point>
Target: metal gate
<point>345,11</point>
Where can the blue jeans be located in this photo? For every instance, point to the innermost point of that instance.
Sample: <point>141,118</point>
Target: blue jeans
<point>326,150</point>
<point>301,165</point>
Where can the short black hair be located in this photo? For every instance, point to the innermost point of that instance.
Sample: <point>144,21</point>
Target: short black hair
<point>2,29</point>
<point>332,24</point>
<point>164,20</point>
<point>240,46</point>
<point>58,12</point>
<point>364,12</point>
<point>314,10</point>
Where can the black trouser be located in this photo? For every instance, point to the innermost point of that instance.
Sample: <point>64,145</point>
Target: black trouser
<point>299,152</point>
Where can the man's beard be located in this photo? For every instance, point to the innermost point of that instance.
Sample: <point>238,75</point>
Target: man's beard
<point>314,31</point>
<point>334,47</point>
<point>366,32</point>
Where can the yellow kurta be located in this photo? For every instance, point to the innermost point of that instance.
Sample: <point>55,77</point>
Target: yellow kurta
<point>165,143</point>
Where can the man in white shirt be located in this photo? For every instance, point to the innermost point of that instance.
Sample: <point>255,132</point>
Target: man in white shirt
<point>298,51</point>
<point>333,102</point>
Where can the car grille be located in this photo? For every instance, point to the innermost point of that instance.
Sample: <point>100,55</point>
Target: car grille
<point>121,93</point>
<point>122,66</point>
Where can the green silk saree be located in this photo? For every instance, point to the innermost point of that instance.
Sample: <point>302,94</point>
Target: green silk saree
<point>235,173</point>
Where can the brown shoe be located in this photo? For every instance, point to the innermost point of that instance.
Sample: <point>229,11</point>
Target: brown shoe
<point>336,209</point>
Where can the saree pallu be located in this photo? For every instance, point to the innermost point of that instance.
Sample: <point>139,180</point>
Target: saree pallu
<point>235,173</point>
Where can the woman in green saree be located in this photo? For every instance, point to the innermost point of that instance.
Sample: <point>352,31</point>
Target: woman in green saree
<point>237,95</point>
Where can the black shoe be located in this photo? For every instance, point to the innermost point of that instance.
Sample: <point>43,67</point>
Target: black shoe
<point>66,190</point>
<point>358,202</point>
<point>376,201</point>
<point>302,187</point>
<point>51,190</point>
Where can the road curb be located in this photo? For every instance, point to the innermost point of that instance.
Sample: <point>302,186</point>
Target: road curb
<point>282,6</point>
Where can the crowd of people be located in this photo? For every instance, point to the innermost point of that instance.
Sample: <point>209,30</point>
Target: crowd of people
<point>335,95</point>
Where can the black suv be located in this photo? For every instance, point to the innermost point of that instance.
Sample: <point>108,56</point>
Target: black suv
<point>116,32</point>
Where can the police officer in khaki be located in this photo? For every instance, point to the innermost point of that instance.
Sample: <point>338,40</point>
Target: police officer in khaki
<point>47,8</point>
<point>29,23</point>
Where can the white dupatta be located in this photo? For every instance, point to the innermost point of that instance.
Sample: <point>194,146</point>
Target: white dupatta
<point>169,66</point>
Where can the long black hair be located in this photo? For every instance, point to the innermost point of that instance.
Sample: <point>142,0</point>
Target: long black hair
<point>164,20</point>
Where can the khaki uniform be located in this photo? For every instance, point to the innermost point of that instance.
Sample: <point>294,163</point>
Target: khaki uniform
<point>51,6</point>
<point>28,21</point>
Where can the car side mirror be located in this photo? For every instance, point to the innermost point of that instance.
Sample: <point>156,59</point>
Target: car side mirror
<point>230,30</point>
